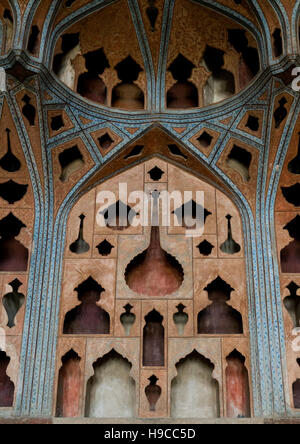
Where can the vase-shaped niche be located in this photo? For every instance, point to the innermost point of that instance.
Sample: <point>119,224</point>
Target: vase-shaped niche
<point>80,246</point>
<point>154,272</point>
<point>9,162</point>
<point>154,341</point>
<point>153,393</point>
<point>237,387</point>
<point>127,94</point>
<point>296,391</point>
<point>292,304</point>
<point>294,165</point>
<point>12,302</point>
<point>87,318</point>
<point>219,318</point>
<point>180,319</point>
<point>128,319</point>
<point>290,255</point>
<point>90,84</point>
<point>184,93</point>
<point>7,387</point>
<point>111,391</point>
<point>13,255</point>
<point>69,386</point>
<point>230,246</point>
<point>194,391</point>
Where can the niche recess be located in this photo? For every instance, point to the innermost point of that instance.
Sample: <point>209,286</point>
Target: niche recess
<point>154,341</point>
<point>28,110</point>
<point>152,13</point>
<point>9,162</point>
<point>292,304</point>
<point>105,248</point>
<point>13,302</point>
<point>194,392</point>
<point>7,387</point>
<point>221,83</point>
<point>190,214</point>
<point>230,246</point>
<point>205,248</point>
<point>111,391</point>
<point>292,194</point>
<point>128,319</point>
<point>280,113</point>
<point>294,165</point>
<point>237,387</point>
<point>57,123</point>
<point>71,160</point>
<point>153,393</point>
<point>184,93</point>
<point>127,94</point>
<point>290,255</point>
<point>80,246</point>
<point>69,386</point>
<point>154,272</point>
<point>156,174</point>
<point>13,255</point>
<point>12,191</point>
<point>239,160</point>
<point>219,318</point>
<point>63,62</point>
<point>118,216</point>
<point>87,318</point>
<point>180,319</point>
<point>34,41</point>
<point>90,85</point>
<point>296,391</point>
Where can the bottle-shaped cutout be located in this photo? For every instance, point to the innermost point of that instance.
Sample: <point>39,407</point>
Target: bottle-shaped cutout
<point>230,246</point>
<point>153,393</point>
<point>180,319</point>
<point>28,110</point>
<point>9,162</point>
<point>12,302</point>
<point>80,246</point>
<point>127,319</point>
<point>294,165</point>
<point>292,304</point>
<point>154,272</point>
<point>280,113</point>
<point>152,13</point>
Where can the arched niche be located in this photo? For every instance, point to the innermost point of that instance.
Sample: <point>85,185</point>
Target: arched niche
<point>88,60</point>
<point>69,386</point>
<point>155,149</point>
<point>111,391</point>
<point>194,391</point>
<point>221,57</point>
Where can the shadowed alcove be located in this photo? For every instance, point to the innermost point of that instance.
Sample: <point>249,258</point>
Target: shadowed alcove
<point>111,391</point>
<point>13,255</point>
<point>154,340</point>
<point>237,386</point>
<point>69,386</point>
<point>7,387</point>
<point>88,317</point>
<point>194,391</point>
<point>219,317</point>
